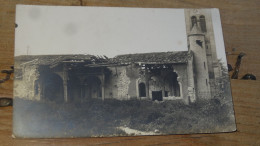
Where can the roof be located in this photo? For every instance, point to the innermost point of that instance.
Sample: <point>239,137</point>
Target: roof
<point>144,58</point>
<point>156,57</point>
<point>55,59</point>
<point>196,30</point>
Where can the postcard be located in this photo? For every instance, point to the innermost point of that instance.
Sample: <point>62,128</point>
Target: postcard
<point>110,71</point>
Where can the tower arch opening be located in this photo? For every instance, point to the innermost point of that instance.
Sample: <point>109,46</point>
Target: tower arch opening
<point>193,21</point>
<point>203,23</point>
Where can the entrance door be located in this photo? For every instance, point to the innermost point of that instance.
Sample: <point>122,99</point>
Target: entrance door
<point>157,95</point>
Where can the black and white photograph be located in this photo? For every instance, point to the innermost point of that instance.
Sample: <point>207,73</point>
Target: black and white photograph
<point>107,71</point>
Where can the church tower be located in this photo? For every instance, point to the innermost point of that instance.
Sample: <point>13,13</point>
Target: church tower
<point>197,46</point>
<point>201,42</point>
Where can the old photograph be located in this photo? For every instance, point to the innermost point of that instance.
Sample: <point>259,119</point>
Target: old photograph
<point>103,71</point>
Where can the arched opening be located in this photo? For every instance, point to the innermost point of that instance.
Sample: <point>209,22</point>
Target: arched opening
<point>92,87</point>
<point>142,92</point>
<point>203,24</point>
<point>172,86</point>
<point>193,21</point>
<point>52,87</point>
<point>74,88</point>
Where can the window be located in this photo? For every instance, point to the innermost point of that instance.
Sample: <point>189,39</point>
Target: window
<point>204,65</point>
<point>142,92</point>
<point>199,42</point>
<point>193,20</point>
<point>207,82</point>
<point>203,24</point>
<point>165,93</point>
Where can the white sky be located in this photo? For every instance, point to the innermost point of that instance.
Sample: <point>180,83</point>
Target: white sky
<point>45,30</point>
<point>98,30</point>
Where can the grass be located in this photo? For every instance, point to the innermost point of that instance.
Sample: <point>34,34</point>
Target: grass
<point>101,118</point>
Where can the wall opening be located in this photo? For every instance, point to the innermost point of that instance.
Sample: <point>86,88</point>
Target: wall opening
<point>203,24</point>
<point>92,87</point>
<point>74,87</point>
<point>172,86</point>
<point>142,91</point>
<point>52,87</point>
<point>157,95</point>
<point>200,43</point>
<point>193,20</point>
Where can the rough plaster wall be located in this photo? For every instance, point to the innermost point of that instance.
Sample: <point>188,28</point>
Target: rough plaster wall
<point>111,84</point>
<point>181,70</point>
<point>132,88</point>
<point>117,84</point>
<point>191,83</point>
<point>133,74</point>
<point>24,88</point>
<point>123,84</point>
<point>203,89</point>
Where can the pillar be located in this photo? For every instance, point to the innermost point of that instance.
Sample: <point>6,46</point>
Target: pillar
<point>147,83</point>
<point>65,82</point>
<point>103,84</point>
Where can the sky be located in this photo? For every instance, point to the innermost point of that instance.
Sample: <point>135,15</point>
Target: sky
<point>98,30</point>
<point>46,30</point>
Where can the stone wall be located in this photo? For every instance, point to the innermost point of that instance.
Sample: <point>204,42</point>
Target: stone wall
<point>121,84</point>
<point>24,83</point>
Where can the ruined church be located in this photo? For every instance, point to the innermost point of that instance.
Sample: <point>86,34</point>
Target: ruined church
<point>175,75</point>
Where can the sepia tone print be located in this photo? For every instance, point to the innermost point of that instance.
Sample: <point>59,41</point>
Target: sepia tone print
<point>174,92</point>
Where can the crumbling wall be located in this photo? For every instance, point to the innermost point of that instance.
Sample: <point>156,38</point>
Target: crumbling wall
<point>181,70</point>
<point>117,83</point>
<point>133,72</point>
<point>25,82</point>
<point>121,84</point>
<point>155,84</point>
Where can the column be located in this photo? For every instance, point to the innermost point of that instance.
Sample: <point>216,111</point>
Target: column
<point>65,82</point>
<point>146,82</point>
<point>103,84</point>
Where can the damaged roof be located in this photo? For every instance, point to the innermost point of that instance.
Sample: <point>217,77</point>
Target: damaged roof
<point>55,59</point>
<point>156,57</point>
<point>143,58</point>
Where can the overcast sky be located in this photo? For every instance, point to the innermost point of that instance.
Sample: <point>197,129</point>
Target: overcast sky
<point>44,30</point>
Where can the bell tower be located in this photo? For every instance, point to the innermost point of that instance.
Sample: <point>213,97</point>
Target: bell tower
<point>199,26</point>
<point>197,44</point>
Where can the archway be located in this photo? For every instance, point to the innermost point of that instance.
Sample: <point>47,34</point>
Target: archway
<point>92,87</point>
<point>52,87</point>
<point>193,21</point>
<point>74,88</point>
<point>203,24</point>
<point>142,90</point>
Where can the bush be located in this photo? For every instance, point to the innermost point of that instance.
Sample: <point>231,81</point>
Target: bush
<point>97,117</point>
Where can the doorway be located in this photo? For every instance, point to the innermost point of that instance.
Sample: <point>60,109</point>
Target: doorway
<point>157,95</point>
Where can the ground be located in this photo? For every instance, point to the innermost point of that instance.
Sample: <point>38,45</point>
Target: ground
<point>114,117</point>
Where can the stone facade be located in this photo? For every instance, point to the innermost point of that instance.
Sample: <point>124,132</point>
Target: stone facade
<point>72,79</point>
<point>184,75</point>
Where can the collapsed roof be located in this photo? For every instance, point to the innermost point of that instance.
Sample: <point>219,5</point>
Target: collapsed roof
<point>141,58</point>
